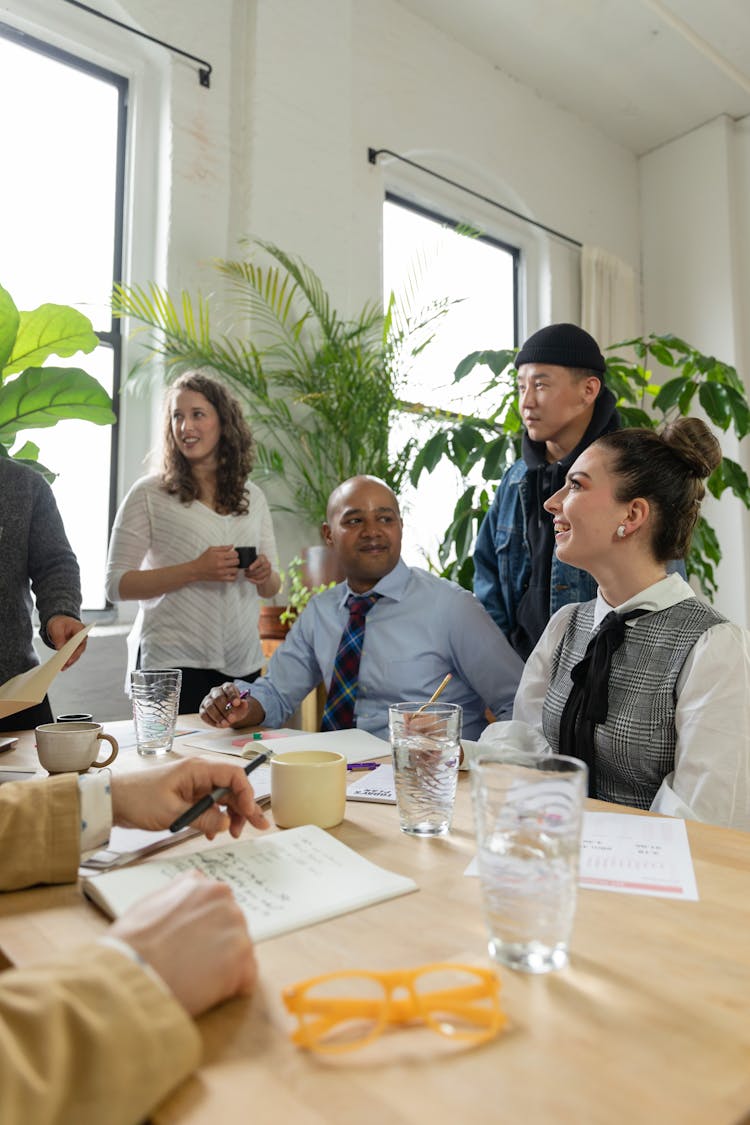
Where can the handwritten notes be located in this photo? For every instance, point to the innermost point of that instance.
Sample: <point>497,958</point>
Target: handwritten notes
<point>282,881</point>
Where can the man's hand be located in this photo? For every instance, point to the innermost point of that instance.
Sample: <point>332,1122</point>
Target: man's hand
<point>223,707</point>
<point>154,798</point>
<point>194,935</point>
<point>60,629</point>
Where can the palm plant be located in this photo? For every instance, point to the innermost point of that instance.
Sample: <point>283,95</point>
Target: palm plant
<point>490,440</point>
<point>321,389</point>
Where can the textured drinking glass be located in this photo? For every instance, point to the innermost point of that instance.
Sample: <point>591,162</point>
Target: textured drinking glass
<point>155,696</point>
<point>528,810</point>
<point>425,750</point>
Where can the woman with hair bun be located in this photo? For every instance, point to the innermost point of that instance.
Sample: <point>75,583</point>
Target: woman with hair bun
<point>173,546</point>
<point>648,684</point>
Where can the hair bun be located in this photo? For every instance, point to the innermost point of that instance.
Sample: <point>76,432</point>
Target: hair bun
<point>691,440</point>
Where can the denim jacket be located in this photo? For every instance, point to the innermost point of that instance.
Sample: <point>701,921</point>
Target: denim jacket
<point>502,558</point>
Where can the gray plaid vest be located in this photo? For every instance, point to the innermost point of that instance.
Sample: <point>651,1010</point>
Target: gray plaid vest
<point>635,746</point>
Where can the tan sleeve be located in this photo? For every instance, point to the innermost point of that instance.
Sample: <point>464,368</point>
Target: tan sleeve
<point>89,1038</point>
<point>40,832</point>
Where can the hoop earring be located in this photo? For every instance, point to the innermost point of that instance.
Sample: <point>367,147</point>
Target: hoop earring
<point>621,531</point>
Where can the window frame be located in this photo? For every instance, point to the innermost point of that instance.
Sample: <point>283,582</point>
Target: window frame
<point>111,337</point>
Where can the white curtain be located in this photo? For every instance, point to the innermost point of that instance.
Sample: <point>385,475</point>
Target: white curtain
<point>609,297</point>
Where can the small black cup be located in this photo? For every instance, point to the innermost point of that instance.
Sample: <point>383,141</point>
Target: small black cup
<point>248,555</point>
<point>82,717</point>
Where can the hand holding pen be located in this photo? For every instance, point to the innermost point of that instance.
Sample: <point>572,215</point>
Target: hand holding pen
<point>227,706</point>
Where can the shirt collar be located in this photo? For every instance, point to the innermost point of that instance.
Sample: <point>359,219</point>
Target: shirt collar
<point>391,585</point>
<point>661,595</point>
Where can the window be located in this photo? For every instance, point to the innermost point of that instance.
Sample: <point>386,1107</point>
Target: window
<point>61,234</point>
<point>481,273</point>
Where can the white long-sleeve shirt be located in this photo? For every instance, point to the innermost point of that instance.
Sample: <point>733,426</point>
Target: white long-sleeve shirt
<point>204,624</point>
<point>711,778</point>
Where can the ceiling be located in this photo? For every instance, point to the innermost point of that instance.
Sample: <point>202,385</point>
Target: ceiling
<point>642,71</point>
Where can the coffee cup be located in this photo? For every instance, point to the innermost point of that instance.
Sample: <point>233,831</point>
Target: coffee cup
<point>72,747</point>
<point>247,556</point>
<point>308,787</point>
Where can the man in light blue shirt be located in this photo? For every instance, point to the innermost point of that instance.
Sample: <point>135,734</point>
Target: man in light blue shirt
<point>420,628</point>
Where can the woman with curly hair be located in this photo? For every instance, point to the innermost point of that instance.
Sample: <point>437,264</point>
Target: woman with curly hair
<point>647,684</point>
<point>173,546</point>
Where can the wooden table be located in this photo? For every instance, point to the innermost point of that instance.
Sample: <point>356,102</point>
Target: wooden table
<point>650,1023</point>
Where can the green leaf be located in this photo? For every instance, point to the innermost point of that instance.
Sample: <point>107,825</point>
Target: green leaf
<point>49,330</point>
<point>686,397</point>
<point>432,451</point>
<point>669,394</point>
<point>9,320</point>
<point>734,477</point>
<point>739,410</point>
<point>715,401</point>
<point>632,416</point>
<point>42,396</point>
<point>495,461</point>
<point>662,354</point>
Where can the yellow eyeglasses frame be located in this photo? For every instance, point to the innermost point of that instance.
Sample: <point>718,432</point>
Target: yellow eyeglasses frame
<point>476,1002</point>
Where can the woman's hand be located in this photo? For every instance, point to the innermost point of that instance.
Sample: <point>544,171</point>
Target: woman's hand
<point>216,564</point>
<point>263,577</point>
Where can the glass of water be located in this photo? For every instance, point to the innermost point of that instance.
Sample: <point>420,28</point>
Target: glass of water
<point>426,750</point>
<point>155,696</point>
<point>528,811</point>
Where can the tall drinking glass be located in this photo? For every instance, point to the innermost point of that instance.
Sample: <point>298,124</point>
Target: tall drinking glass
<point>426,750</point>
<point>155,696</point>
<point>528,810</point>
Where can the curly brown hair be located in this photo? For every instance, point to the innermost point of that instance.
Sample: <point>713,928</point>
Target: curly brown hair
<point>236,450</point>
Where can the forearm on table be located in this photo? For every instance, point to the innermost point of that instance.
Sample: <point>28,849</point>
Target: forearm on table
<point>140,585</point>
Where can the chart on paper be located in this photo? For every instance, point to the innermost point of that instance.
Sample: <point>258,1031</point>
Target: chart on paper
<point>642,855</point>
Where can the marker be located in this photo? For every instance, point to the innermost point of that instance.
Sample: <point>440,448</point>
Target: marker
<point>214,796</point>
<point>243,695</point>
<point>363,765</point>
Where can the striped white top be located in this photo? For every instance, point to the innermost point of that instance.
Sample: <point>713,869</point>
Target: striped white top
<point>205,624</point>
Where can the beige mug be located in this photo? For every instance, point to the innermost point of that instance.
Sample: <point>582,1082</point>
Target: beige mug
<point>72,747</point>
<point>308,787</point>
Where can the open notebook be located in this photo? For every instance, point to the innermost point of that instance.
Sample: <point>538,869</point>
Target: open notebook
<point>282,881</point>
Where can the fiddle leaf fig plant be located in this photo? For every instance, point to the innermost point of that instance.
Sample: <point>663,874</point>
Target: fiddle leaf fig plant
<point>489,441</point>
<point>33,396</point>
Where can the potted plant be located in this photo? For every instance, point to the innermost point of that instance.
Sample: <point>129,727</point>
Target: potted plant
<point>492,437</point>
<point>322,389</point>
<point>33,396</point>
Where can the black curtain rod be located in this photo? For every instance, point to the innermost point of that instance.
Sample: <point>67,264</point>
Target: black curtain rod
<point>204,70</point>
<point>374,153</point>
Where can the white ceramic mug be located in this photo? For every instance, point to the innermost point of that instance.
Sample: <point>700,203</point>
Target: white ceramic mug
<point>308,787</point>
<point>72,747</point>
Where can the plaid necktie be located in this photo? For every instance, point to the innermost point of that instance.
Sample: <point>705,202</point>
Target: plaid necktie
<point>338,713</point>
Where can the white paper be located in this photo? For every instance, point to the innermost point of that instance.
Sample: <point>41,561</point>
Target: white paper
<point>376,785</point>
<point>282,881</point>
<point>28,688</point>
<point>635,855</point>
<point>356,745</point>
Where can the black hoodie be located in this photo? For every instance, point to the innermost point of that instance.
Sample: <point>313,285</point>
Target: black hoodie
<point>542,480</point>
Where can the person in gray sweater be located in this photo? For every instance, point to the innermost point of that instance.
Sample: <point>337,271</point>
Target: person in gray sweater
<point>34,555</point>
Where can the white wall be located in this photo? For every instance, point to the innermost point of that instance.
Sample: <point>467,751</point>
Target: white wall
<point>696,256</point>
<point>278,148</point>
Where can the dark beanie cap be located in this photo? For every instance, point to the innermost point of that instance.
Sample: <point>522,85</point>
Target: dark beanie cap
<point>564,345</point>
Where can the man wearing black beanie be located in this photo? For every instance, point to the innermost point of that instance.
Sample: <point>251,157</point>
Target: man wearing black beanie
<point>565,406</point>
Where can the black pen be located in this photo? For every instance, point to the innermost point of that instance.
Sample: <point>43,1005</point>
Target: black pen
<point>205,803</point>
